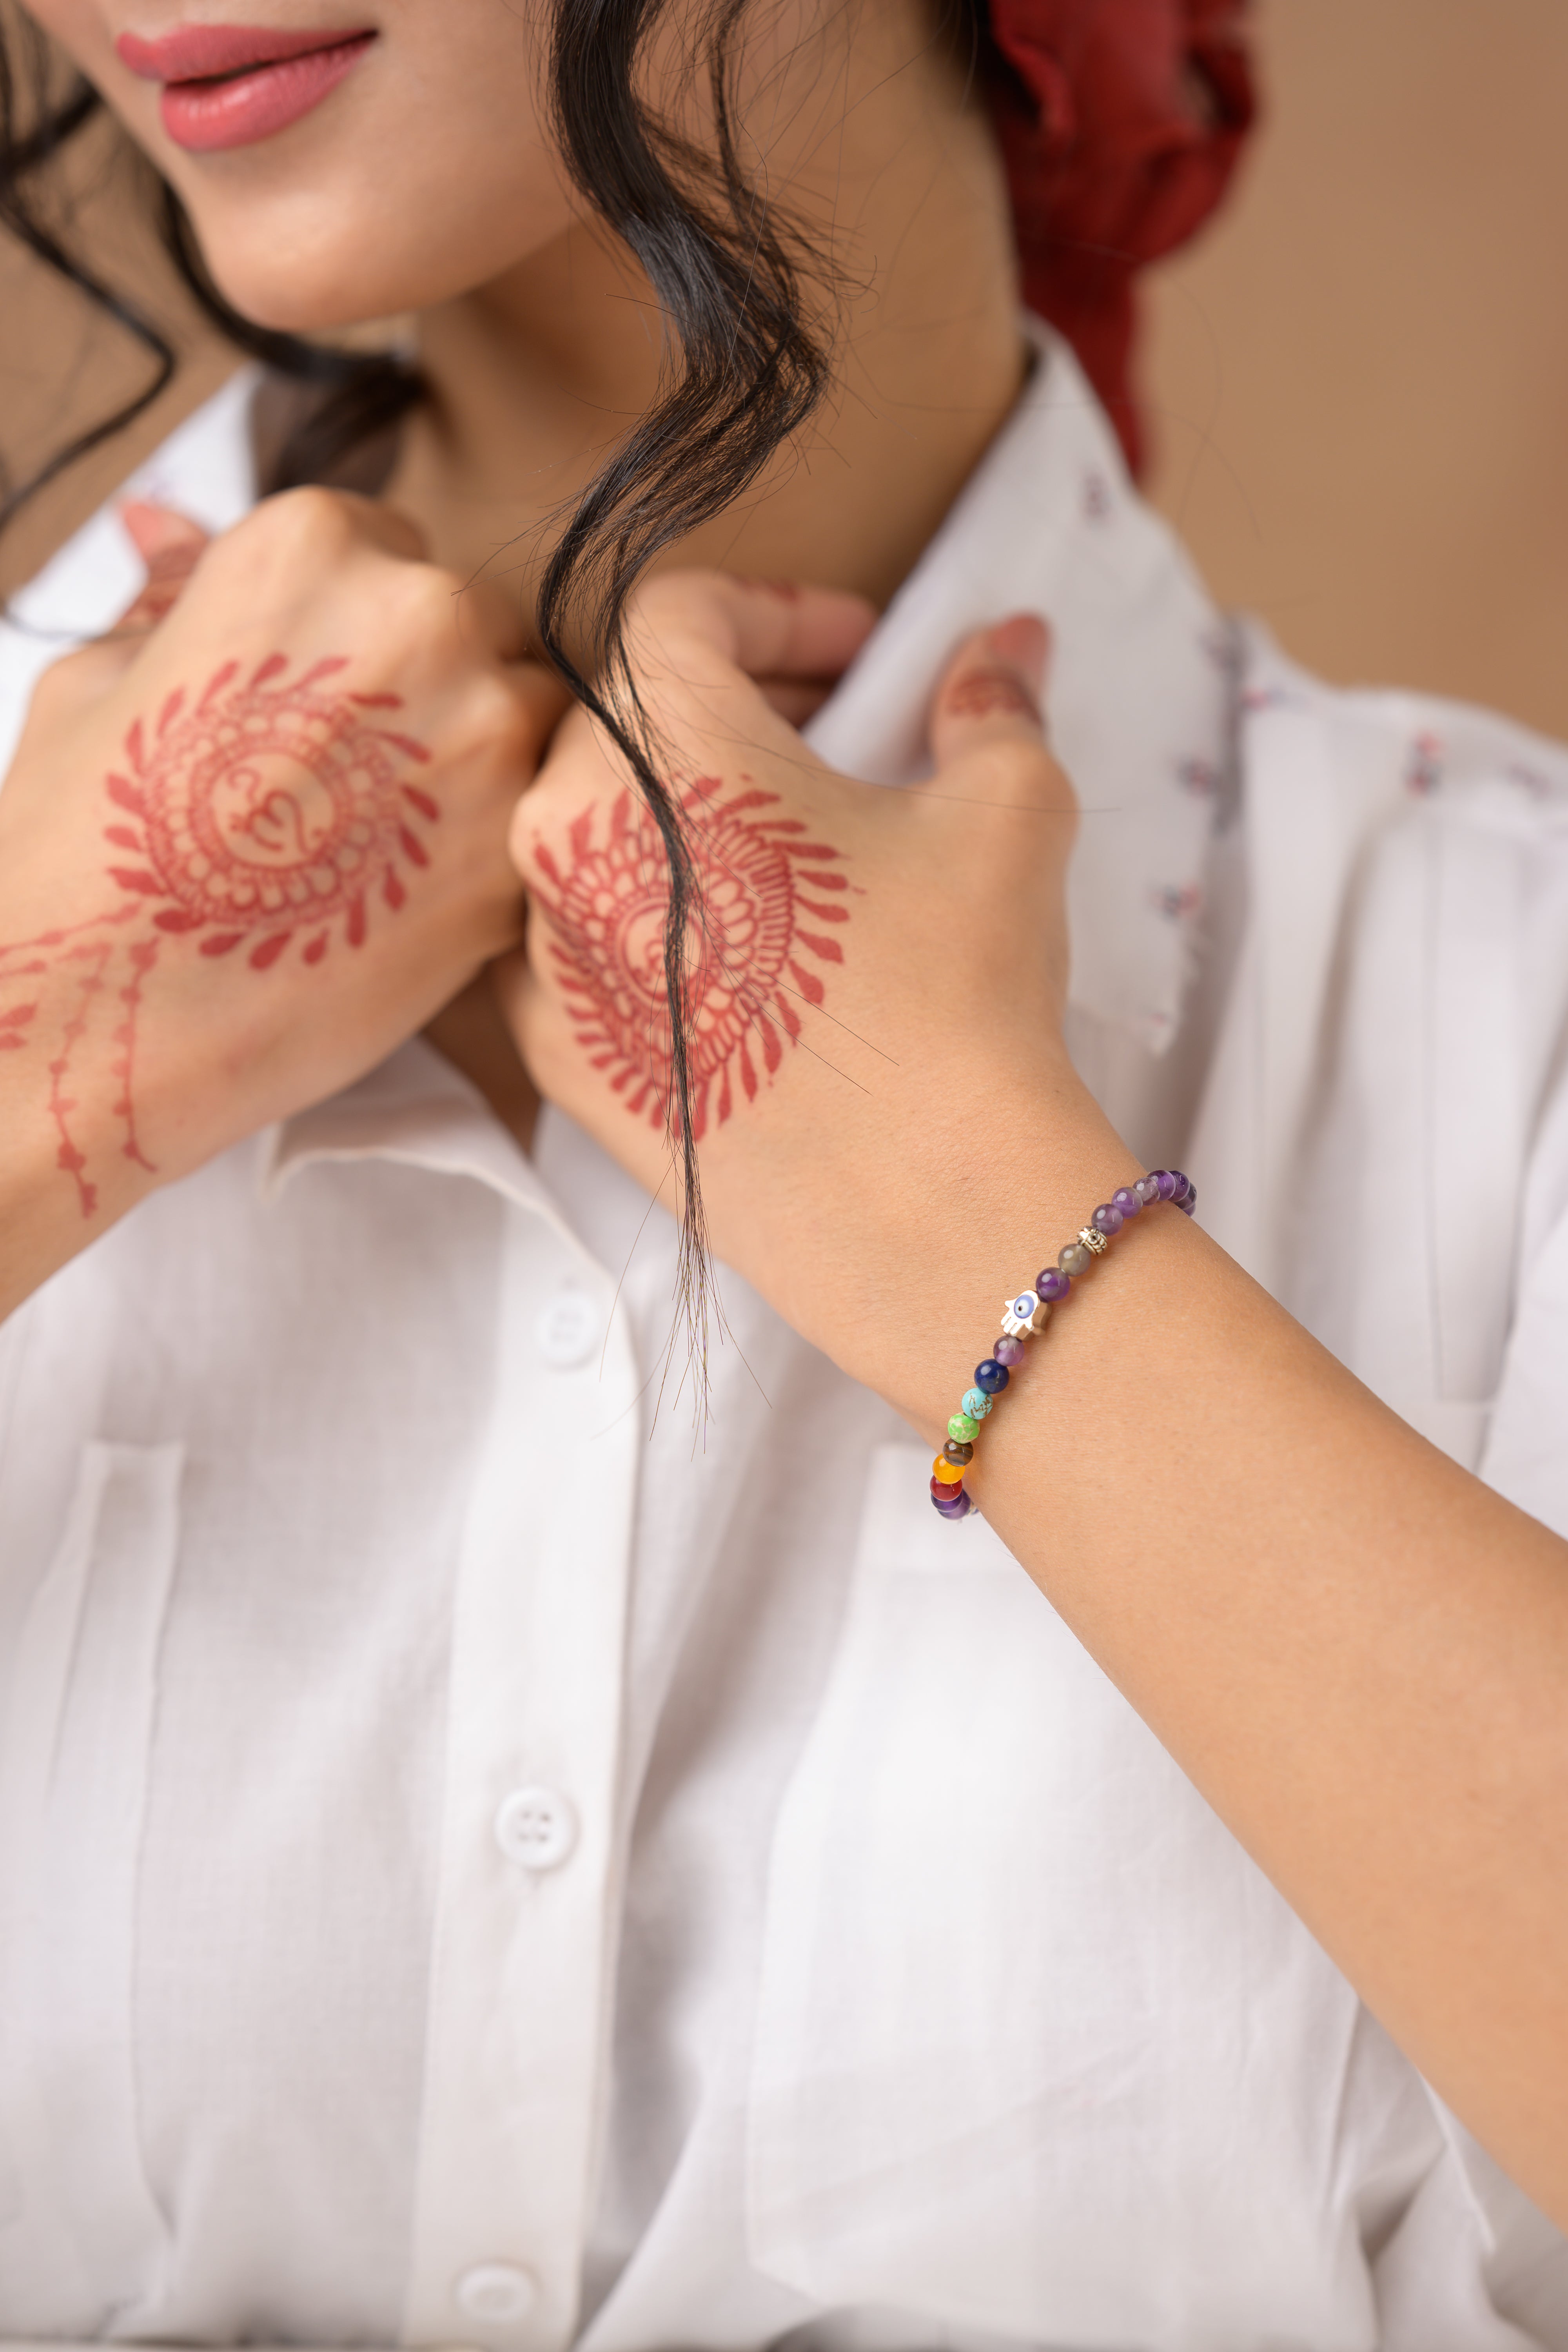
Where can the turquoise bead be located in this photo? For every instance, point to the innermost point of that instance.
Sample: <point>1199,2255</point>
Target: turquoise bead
<point>963,1427</point>
<point>976,1404</point>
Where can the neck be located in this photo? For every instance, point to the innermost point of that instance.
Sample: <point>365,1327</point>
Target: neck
<point>535,376</point>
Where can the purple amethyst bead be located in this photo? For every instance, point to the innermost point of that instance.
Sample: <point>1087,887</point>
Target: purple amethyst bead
<point>1167,1183</point>
<point>991,1377</point>
<point>1052,1285</point>
<point>1148,1190</point>
<point>1126,1201</point>
<point>1183,1187</point>
<point>959,1508</point>
<point>1008,1353</point>
<point>1107,1219</point>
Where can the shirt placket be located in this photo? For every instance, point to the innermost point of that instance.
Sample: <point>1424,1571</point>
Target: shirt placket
<point>530,1859</point>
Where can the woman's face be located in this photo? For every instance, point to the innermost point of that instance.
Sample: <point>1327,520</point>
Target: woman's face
<point>340,162</point>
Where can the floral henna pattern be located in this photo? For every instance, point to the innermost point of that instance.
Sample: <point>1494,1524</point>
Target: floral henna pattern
<point>263,815</point>
<point>766,891</point>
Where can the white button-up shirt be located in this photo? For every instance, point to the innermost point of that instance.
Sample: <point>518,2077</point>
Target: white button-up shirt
<point>482,1867</point>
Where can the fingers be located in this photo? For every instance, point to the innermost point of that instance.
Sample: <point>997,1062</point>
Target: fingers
<point>764,628</point>
<point>796,700</point>
<point>170,545</point>
<point>991,691</point>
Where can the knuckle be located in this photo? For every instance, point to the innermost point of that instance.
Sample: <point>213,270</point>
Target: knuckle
<point>76,678</point>
<point>310,513</point>
<point>1015,769</point>
<point>293,532</point>
<point>297,523</point>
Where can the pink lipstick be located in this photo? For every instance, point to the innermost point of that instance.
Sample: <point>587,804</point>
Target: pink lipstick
<point>230,85</point>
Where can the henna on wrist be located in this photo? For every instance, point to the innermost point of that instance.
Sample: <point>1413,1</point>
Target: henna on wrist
<point>263,814</point>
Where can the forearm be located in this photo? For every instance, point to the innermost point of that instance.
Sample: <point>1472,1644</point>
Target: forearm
<point>1357,1651</point>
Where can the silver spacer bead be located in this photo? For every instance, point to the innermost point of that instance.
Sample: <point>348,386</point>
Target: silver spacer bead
<point>1093,1240</point>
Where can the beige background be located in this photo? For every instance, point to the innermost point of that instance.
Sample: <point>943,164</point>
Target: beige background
<point>1361,375</point>
<point>1358,379</point>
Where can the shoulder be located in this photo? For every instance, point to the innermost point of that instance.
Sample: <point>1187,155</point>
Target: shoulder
<point>1350,762</point>
<point>206,468</point>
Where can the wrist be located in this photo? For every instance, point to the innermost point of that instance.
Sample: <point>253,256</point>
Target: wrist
<point>908,1227</point>
<point>66,1171</point>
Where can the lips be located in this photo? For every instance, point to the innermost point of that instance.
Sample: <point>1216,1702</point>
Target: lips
<point>230,85</point>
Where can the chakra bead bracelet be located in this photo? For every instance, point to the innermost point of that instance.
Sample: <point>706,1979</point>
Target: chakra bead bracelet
<point>1026,1315</point>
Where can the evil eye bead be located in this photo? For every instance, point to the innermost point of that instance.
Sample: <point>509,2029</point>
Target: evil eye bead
<point>1023,1315</point>
<point>963,1427</point>
<point>991,1376</point>
<point>976,1404</point>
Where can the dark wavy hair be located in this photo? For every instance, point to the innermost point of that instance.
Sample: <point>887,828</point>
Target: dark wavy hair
<point>746,368</point>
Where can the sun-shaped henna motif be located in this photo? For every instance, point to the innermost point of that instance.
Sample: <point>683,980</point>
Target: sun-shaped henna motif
<point>264,814</point>
<point>762,887</point>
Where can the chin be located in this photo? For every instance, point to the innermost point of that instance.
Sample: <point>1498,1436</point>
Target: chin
<point>298,268</point>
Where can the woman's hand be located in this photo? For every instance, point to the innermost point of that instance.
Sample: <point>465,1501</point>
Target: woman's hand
<point>876,977</point>
<point>246,850</point>
<point>1356,1650</point>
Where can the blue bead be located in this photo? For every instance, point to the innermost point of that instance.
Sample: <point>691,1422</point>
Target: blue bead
<point>975,1404</point>
<point>991,1376</point>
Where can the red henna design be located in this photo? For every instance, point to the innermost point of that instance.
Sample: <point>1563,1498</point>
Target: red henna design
<point>744,973</point>
<point>261,812</point>
<point>983,692</point>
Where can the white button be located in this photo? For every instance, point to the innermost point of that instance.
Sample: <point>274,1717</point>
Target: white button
<point>497,2291</point>
<point>569,1326</point>
<point>537,1827</point>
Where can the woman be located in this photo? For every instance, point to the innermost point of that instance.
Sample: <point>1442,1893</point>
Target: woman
<point>479,1866</point>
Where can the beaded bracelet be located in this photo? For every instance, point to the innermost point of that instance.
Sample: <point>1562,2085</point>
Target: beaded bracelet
<point>1028,1313</point>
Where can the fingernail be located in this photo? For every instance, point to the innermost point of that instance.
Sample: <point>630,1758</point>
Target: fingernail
<point>152,528</point>
<point>1024,641</point>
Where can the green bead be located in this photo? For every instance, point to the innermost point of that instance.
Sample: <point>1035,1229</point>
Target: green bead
<point>961,1426</point>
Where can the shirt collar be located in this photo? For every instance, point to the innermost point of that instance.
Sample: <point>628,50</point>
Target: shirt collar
<point>1140,694</point>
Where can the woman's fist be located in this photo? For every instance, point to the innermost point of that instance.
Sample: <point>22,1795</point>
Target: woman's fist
<point>848,948</point>
<point>251,843</point>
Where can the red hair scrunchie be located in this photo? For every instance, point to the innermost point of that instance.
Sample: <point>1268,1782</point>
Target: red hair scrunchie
<point>1120,123</point>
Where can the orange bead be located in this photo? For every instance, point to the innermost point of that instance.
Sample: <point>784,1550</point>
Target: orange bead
<point>950,1473</point>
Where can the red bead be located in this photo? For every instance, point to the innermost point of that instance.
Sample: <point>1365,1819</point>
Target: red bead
<point>944,1492</point>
